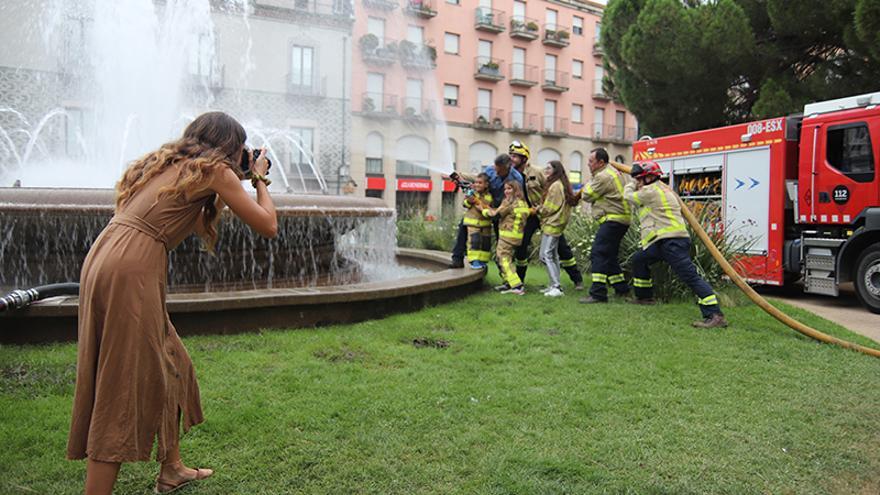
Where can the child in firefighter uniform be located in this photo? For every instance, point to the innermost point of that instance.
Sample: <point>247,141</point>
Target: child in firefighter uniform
<point>664,237</point>
<point>554,211</point>
<point>512,213</point>
<point>479,228</point>
<point>535,186</point>
<point>605,193</point>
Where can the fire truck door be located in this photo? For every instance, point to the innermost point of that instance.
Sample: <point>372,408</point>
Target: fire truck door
<point>846,178</point>
<point>747,197</point>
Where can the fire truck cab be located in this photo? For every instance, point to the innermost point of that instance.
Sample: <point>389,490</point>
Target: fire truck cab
<point>802,192</point>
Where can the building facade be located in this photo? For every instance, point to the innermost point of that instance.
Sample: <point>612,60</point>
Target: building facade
<point>450,83</point>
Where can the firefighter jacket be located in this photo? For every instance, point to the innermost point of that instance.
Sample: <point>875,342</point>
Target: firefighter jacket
<point>659,212</point>
<point>535,182</point>
<point>513,215</point>
<point>496,182</point>
<point>554,211</point>
<point>473,217</point>
<point>605,192</point>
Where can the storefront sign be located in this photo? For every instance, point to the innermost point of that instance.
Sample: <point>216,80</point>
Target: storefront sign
<point>421,185</point>
<point>374,183</point>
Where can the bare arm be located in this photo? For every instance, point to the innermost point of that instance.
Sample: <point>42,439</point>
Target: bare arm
<point>260,214</point>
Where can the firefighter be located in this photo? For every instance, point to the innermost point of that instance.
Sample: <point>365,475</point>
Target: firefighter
<point>535,184</point>
<point>664,237</point>
<point>479,228</point>
<point>605,193</point>
<point>512,214</point>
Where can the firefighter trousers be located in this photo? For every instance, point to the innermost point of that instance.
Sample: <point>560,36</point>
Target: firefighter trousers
<point>603,259</point>
<point>675,252</point>
<point>461,240</point>
<point>504,250</point>
<point>566,257</point>
<point>479,243</point>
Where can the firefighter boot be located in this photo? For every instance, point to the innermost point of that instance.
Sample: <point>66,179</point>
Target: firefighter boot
<point>716,320</point>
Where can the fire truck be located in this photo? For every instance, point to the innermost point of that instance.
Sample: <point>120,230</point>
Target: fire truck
<point>802,190</point>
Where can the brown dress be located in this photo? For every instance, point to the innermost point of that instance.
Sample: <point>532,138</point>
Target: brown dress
<point>134,378</point>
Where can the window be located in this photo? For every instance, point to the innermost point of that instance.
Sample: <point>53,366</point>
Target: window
<point>301,66</point>
<point>301,152</point>
<point>450,43</point>
<point>519,10</point>
<point>450,95</point>
<point>551,19</point>
<point>415,34</point>
<point>598,122</point>
<point>619,124</point>
<point>373,154</point>
<point>517,117</point>
<point>550,69</point>
<point>598,34</point>
<point>200,55</point>
<point>484,50</point>
<point>577,25</point>
<point>577,113</point>
<point>518,69</point>
<point>453,2</point>
<point>577,69</point>
<point>413,155</point>
<point>550,115</point>
<point>376,27</point>
<point>848,149</point>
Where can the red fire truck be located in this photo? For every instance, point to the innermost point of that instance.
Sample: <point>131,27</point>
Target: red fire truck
<point>804,190</point>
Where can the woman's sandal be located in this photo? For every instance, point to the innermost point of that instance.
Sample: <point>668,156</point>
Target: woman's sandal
<point>165,486</point>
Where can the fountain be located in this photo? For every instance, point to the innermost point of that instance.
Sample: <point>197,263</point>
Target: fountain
<point>334,260</point>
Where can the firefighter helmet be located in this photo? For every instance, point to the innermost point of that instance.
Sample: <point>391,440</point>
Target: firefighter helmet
<point>646,169</point>
<point>518,148</point>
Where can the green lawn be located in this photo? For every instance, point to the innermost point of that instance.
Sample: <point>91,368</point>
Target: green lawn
<point>503,394</point>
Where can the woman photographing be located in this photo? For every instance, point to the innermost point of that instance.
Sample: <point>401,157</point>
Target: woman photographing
<point>135,381</point>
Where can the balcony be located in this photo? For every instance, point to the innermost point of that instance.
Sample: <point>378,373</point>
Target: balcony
<point>488,69</point>
<point>299,84</point>
<point>523,123</point>
<point>341,10</point>
<point>597,47</point>
<point>386,5</point>
<point>523,75</point>
<point>555,81</point>
<point>556,35</point>
<point>378,51</point>
<point>417,56</point>
<point>554,126</point>
<point>599,92</point>
<point>613,133</point>
<point>214,78</point>
<point>379,105</point>
<point>420,8</point>
<point>488,118</point>
<point>417,110</point>
<point>491,20</point>
<point>524,28</point>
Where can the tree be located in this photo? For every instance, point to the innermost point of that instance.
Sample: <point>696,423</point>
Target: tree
<point>685,65</point>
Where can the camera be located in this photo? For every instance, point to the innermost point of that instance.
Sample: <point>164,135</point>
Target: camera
<point>246,161</point>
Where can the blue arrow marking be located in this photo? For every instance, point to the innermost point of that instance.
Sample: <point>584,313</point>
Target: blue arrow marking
<point>739,184</point>
<point>754,183</point>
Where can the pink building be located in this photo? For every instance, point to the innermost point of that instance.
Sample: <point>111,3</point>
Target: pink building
<point>492,71</point>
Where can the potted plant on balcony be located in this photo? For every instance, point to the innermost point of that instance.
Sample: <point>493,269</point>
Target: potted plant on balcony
<point>490,68</point>
<point>562,35</point>
<point>409,112</point>
<point>532,26</point>
<point>496,122</point>
<point>369,106</point>
<point>431,52</point>
<point>550,34</point>
<point>369,42</point>
<point>407,50</point>
<point>482,121</point>
<point>517,25</point>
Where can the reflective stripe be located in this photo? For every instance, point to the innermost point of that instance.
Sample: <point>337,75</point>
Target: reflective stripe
<point>552,206</point>
<point>667,209</point>
<point>600,277</point>
<point>636,198</point>
<point>643,212</point>
<point>591,193</point>
<point>476,255</point>
<point>614,217</point>
<point>518,213</point>
<point>615,279</point>
<point>511,234</point>
<point>568,262</point>
<point>616,175</point>
<point>510,275</point>
<point>522,262</point>
<point>665,230</point>
<point>644,283</point>
<point>486,213</point>
<point>477,222</point>
<point>674,226</point>
<point>550,229</point>
<point>708,300</point>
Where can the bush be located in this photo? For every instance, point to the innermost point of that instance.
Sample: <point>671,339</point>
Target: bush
<point>415,231</point>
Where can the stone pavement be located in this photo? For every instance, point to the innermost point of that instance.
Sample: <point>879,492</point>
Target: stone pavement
<point>845,310</point>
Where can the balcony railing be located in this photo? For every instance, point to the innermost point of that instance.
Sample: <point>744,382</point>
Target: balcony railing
<point>523,75</point>
<point>524,28</point>
<point>486,19</point>
<point>378,51</point>
<point>386,5</point>
<point>555,80</point>
<point>420,8</point>
<point>298,85</point>
<point>599,90</point>
<point>597,47</point>
<point>417,56</point>
<point>488,118</point>
<point>488,69</point>
<point>556,35</point>
<point>342,9</point>
<point>554,126</point>
<point>608,132</point>
<point>523,122</point>
<point>417,109</point>
<point>381,105</point>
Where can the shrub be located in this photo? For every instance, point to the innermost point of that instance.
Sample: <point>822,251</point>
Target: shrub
<point>415,231</point>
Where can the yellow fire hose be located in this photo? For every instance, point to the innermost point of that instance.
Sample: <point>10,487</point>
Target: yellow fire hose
<point>747,289</point>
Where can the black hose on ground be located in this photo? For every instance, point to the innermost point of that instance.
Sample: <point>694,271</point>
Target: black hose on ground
<point>21,298</point>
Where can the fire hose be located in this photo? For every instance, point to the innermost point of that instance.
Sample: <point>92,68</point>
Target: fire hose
<point>750,292</point>
<point>21,298</point>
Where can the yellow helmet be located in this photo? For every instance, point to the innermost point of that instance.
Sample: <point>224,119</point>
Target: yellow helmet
<point>518,148</point>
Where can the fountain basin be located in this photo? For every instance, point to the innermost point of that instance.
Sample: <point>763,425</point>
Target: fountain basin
<point>228,312</point>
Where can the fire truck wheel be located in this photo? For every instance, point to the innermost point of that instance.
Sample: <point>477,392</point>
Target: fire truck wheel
<point>867,279</point>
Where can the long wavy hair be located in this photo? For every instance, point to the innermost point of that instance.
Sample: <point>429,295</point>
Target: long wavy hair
<point>212,141</point>
<point>559,174</point>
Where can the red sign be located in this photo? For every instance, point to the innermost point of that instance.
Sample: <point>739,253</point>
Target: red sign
<point>423,185</point>
<point>376,183</point>
<point>448,186</point>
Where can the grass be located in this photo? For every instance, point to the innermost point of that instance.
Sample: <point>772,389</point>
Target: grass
<point>494,395</point>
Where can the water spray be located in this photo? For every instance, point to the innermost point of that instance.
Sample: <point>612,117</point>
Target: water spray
<point>749,291</point>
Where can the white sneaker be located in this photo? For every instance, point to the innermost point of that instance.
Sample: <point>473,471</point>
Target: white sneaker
<point>545,290</point>
<point>554,292</point>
